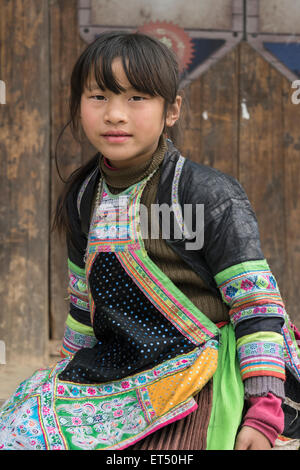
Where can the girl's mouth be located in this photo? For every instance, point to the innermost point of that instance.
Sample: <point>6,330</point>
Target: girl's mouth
<point>116,137</point>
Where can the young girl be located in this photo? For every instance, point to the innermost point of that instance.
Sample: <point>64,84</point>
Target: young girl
<point>167,345</point>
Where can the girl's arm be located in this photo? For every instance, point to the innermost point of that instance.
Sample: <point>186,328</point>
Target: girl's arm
<point>257,315</point>
<point>247,285</point>
<point>78,330</point>
<point>265,415</point>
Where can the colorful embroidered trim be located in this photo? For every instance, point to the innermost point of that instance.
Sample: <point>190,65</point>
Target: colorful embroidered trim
<point>251,291</point>
<point>244,267</point>
<point>145,378</point>
<point>78,287</point>
<point>113,227</point>
<point>250,287</point>
<point>27,418</point>
<point>83,188</point>
<point>175,193</point>
<point>76,336</point>
<point>261,354</point>
<point>265,311</point>
<point>291,348</point>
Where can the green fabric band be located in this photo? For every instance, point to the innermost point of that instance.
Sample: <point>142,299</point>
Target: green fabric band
<point>79,327</point>
<point>228,395</point>
<point>235,270</point>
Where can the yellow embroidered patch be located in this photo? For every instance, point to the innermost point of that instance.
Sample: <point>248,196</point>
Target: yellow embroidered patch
<point>176,388</point>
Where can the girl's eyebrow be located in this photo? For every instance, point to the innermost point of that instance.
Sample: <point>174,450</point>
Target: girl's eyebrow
<point>93,86</point>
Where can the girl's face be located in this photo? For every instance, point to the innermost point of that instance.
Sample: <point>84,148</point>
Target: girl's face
<point>124,127</point>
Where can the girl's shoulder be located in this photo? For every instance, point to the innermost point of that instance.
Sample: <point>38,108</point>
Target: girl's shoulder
<point>85,190</point>
<point>80,198</point>
<point>196,181</point>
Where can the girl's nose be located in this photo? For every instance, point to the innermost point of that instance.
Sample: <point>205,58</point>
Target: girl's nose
<point>115,113</point>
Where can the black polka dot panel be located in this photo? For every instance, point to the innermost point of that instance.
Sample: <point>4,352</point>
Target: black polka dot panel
<point>133,335</point>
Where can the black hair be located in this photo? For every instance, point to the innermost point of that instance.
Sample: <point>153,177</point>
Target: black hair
<point>150,66</point>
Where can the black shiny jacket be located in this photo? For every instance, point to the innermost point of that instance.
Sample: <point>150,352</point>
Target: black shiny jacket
<point>230,227</point>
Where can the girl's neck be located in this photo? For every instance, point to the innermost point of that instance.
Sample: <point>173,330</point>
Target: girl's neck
<point>124,177</point>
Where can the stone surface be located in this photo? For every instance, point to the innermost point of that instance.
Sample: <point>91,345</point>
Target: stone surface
<point>215,14</point>
<point>279,16</point>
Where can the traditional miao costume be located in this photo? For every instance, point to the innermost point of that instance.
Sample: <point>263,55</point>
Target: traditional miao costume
<point>153,358</point>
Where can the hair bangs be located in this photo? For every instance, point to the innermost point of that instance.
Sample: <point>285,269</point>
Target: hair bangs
<point>145,69</point>
<point>137,72</point>
<point>136,67</point>
<point>99,73</point>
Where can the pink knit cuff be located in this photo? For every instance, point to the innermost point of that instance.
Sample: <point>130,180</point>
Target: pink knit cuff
<point>266,415</point>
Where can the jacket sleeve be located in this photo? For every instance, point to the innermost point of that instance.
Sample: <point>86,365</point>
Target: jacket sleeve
<point>257,315</point>
<point>78,328</point>
<point>247,285</point>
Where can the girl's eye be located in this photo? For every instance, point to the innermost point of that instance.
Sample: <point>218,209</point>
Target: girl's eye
<point>98,97</point>
<point>138,98</point>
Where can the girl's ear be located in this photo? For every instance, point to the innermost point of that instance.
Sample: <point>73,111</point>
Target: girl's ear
<point>173,112</point>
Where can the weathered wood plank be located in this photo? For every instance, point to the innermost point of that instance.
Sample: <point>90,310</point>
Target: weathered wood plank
<point>24,179</point>
<point>210,125</point>
<point>261,164</point>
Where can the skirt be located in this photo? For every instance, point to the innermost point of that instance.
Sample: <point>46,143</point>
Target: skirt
<point>37,418</point>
